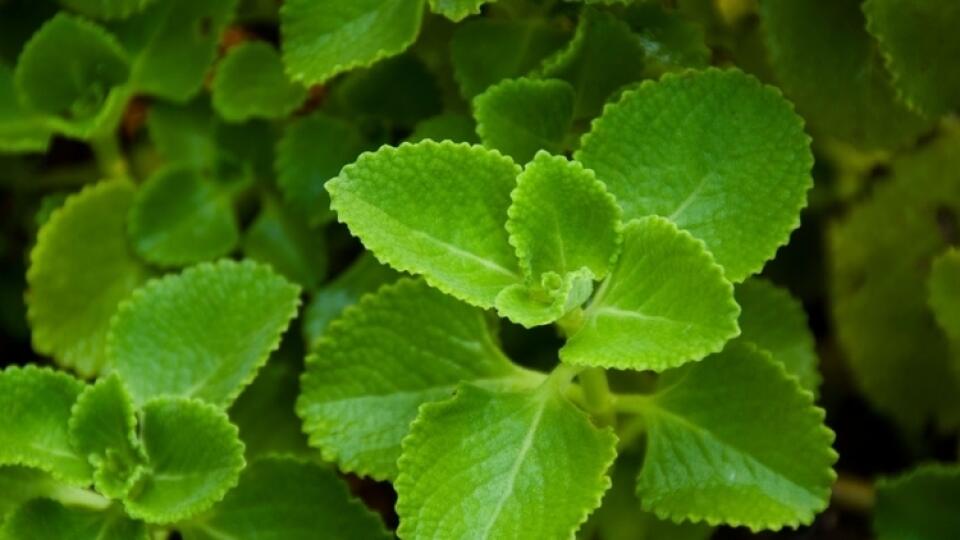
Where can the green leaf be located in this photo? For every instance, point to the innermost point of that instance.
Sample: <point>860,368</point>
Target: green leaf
<point>20,484</point>
<point>920,47</point>
<point>919,505</point>
<point>74,284</point>
<point>670,41</point>
<point>194,457</point>
<point>735,174</point>
<point>184,134</point>
<point>603,56</point>
<point>735,440</point>
<point>944,290</point>
<point>501,465</point>
<point>312,150</point>
<point>203,333</point>
<point>103,428</point>
<point>421,344</point>
<point>774,321</point>
<point>457,10</point>
<point>665,287</point>
<point>304,499</point>
<point>520,116</point>
<point>447,126</point>
<point>21,130</point>
<point>278,238</point>
<point>91,99</point>
<point>878,285</point>
<point>322,39</point>
<point>173,43</point>
<point>179,218</point>
<point>43,519</point>
<point>828,64</point>
<point>436,209</point>
<point>36,405</point>
<point>264,412</point>
<point>363,276</point>
<point>107,9</point>
<point>251,83</point>
<point>486,51</point>
<point>565,228</point>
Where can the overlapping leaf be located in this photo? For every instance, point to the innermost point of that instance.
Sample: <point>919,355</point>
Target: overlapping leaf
<point>920,504</point>
<point>735,175</point>
<point>734,439</point>
<point>436,209</point>
<point>21,130</point>
<point>447,126</point>
<point>670,41</point>
<point>75,284</point>
<point>42,519</point>
<point>322,39</point>
<point>665,287</point>
<point>203,333</point>
<point>501,465</point>
<point>943,286</point>
<point>520,116</point>
<point>106,9</point>
<point>456,10</point>
<point>404,346</point>
<point>251,83</point>
<point>279,238</point>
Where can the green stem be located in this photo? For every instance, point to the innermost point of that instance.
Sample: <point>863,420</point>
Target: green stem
<point>596,392</point>
<point>572,322</point>
<point>631,403</point>
<point>854,494</point>
<point>109,156</point>
<point>74,496</point>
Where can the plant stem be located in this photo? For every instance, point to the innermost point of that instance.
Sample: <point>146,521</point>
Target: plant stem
<point>596,393</point>
<point>74,496</point>
<point>570,323</point>
<point>854,493</point>
<point>631,403</point>
<point>109,156</point>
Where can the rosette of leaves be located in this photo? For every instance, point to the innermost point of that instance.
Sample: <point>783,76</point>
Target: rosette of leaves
<point>151,448</point>
<point>682,188</point>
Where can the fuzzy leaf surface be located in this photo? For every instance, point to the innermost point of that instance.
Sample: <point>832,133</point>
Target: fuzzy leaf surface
<point>43,519</point>
<point>665,287</point>
<point>305,498</point>
<point>179,218</point>
<point>19,484</point>
<point>457,10</point>
<point>406,345</point>
<point>251,83</point>
<point>322,39</point>
<point>194,456</point>
<point>736,175</point>
<point>203,333</point>
<point>919,505</point>
<point>491,464</point>
<point>76,284</point>
<point>734,439</point>
<point>436,209</point>
<point>520,116</point>
<point>774,321</point>
<point>36,405</point>
<point>284,241</point>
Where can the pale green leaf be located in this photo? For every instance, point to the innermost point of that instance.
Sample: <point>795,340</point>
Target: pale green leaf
<point>501,465</point>
<point>264,412</point>
<point>828,64</point>
<point>406,345</point>
<point>304,500</point>
<point>486,51</point>
<point>21,130</point>
<point>774,321</point>
<point>457,10</point>
<point>919,505</point>
<point>44,519</point>
<point>91,99</point>
<point>447,126</point>
<point>103,429</point>
<point>312,150</point>
<point>203,333</point>
<point>717,152</point>
<point>36,406</point>
<point>520,116</point>
<point>107,9</point>
<point>542,302</point>
<point>665,287</point>
<point>436,209</point>
<point>327,37</point>
<point>75,284</point>
<point>173,43</point>
<point>279,238</point>
<point>179,217</point>
<point>734,439</point>
<point>363,276</point>
<point>603,56</point>
<point>194,457</point>
<point>251,83</point>
<point>878,285</point>
<point>919,42</point>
